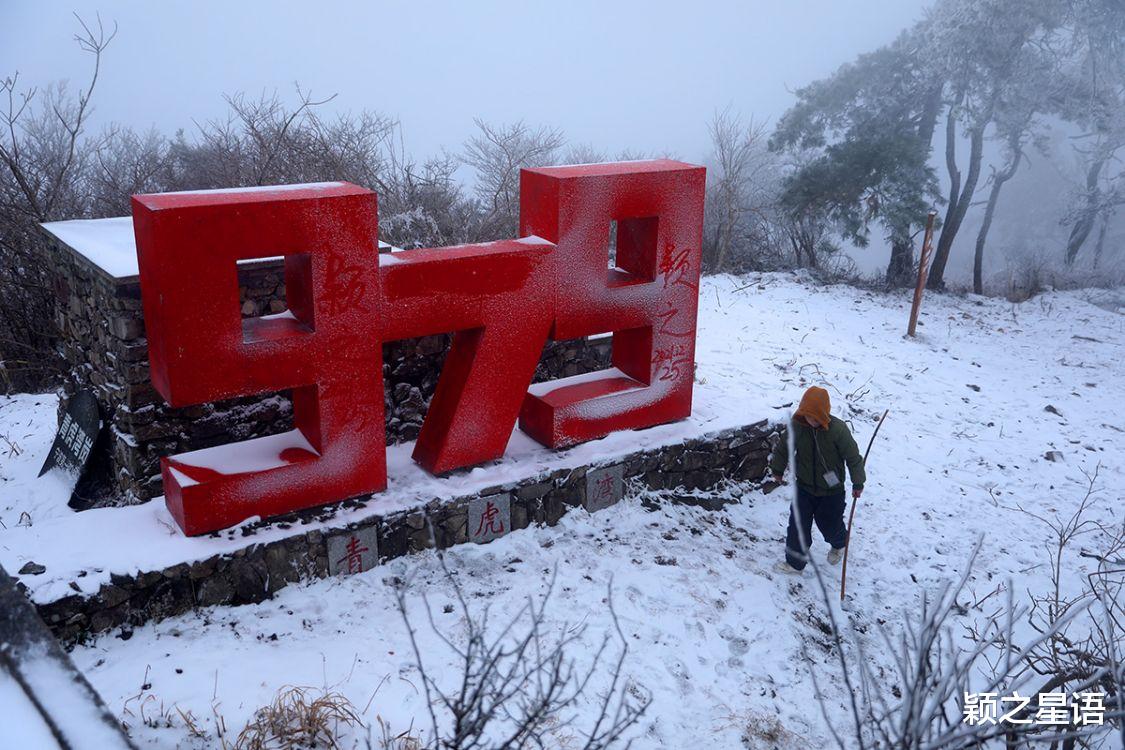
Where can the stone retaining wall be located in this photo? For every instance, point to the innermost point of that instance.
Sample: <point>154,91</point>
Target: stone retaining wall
<point>103,342</point>
<point>255,572</point>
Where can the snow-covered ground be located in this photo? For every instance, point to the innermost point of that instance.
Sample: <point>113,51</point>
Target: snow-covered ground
<point>717,638</point>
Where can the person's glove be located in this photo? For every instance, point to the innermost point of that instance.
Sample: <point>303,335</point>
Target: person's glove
<point>856,492</point>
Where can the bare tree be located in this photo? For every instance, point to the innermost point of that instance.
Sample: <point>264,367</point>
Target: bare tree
<point>938,664</point>
<point>496,153</point>
<point>126,163</point>
<point>422,205</point>
<point>265,141</point>
<point>997,179</point>
<point>584,153</point>
<point>1094,99</point>
<point>519,684</point>
<point>984,51</point>
<point>1100,196</point>
<point>42,164</point>
<point>743,184</point>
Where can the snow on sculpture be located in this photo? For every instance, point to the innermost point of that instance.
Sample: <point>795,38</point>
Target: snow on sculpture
<point>500,300</point>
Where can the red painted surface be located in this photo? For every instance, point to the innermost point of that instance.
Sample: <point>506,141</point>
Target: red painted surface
<point>501,300</point>
<point>648,300</point>
<point>498,298</point>
<point>329,354</point>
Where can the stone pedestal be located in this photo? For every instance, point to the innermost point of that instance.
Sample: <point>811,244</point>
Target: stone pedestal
<point>250,563</point>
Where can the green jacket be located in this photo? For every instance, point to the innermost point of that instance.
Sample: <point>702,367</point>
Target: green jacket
<point>818,452</point>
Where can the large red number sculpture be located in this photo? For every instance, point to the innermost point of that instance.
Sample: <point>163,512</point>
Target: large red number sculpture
<point>500,300</point>
<point>647,298</point>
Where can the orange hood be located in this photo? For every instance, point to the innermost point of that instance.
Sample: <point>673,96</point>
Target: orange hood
<point>815,404</point>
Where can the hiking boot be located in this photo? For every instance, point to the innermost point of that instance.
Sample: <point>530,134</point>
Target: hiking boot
<point>784,567</point>
<point>835,556</point>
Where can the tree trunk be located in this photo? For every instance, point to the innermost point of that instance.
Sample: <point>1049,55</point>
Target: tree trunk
<point>1101,239</point>
<point>959,202</point>
<point>900,270</point>
<point>804,245</point>
<point>1085,222</point>
<point>726,234</point>
<point>998,180</point>
<point>928,122</point>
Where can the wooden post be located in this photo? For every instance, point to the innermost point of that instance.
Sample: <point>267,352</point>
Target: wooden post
<point>923,272</point>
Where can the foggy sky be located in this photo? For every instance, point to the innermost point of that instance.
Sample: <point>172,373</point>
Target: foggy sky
<point>642,76</point>
<point>639,75</point>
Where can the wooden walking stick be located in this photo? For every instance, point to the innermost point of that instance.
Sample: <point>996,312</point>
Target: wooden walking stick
<point>855,502</point>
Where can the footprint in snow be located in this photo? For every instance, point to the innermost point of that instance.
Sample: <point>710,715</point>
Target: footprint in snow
<point>737,644</point>
<point>677,669</point>
<point>738,647</point>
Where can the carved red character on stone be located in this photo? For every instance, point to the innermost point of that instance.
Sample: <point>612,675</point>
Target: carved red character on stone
<point>500,300</point>
<point>353,556</point>
<point>490,523</point>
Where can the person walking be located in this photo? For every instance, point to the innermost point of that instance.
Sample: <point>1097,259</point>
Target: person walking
<point>824,445</point>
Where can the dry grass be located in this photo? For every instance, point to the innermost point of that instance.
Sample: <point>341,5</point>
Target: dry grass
<point>388,740</point>
<point>299,718</point>
<point>760,731</point>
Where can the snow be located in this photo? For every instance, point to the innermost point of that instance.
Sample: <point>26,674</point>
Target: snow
<point>111,245</point>
<point>283,315</point>
<point>261,189</point>
<point>67,702</point>
<point>717,637</point>
<point>257,454</point>
<point>85,549</point>
<point>24,726</point>
<point>542,389</point>
<point>107,243</point>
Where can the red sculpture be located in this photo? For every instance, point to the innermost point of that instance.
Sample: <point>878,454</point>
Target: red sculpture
<point>501,300</point>
<point>648,298</point>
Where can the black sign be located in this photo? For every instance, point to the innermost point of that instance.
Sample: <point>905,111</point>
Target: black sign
<point>81,423</point>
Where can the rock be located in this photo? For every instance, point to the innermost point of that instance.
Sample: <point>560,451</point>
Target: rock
<point>113,595</point>
<point>455,527</point>
<point>535,490</point>
<point>126,328</point>
<point>1053,456</point>
<point>973,386</point>
<point>203,568</point>
<point>214,590</point>
<point>693,460</point>
<point>32,569</point>
<point>520,516</point>
<point>1051,409</point>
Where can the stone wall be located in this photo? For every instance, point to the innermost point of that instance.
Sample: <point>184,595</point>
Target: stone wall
<point>103,343</point>
<point>253,573</point>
